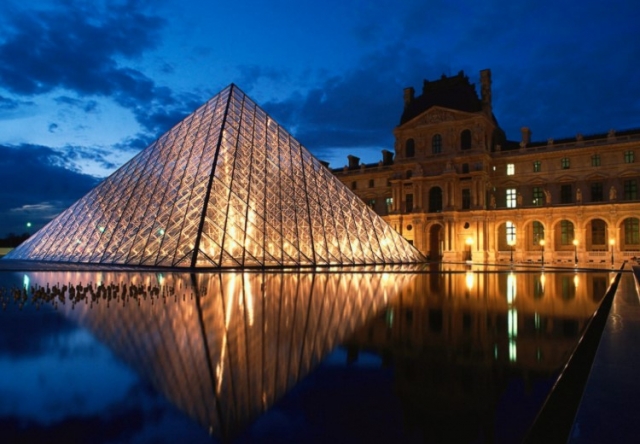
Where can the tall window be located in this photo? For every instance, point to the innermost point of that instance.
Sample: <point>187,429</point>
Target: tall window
<point>372,204</point>
<point>537,166</point>
<point>538,196</point>
<point>436,144</point>
<point>354,185</point>
<point>410,148</point>
<point>597,194</point>
<point>465,140</point>
<point>511,197</point>
<point>598,232</point>
<point>566,232</point>
<point>435,200</point>
<point>595,160</point>
<point>566,194</point>
<point>465,168</point>
<point>629,156</point>
<point>371,183</point>
<point>389,204</point>
<point>631,231</point>
<point>538,232</point>
<point>511,169</point>
<point>564,163</point>
<point>511,233</point>
<point>466,199</point>
<point>630,189</point>
<point>408,200</point>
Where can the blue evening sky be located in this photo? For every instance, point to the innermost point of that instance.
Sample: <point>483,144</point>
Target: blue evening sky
<point>84,85</point>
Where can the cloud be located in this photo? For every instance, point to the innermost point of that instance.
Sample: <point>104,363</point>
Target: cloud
<point>81,47</point>
<point>39,182</point>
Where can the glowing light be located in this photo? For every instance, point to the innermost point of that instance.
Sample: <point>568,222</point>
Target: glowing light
<point>511,288</point>
<point>469,280</point>
<point>25,282</point>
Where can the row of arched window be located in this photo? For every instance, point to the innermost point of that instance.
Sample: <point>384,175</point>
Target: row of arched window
<point>436,144</point>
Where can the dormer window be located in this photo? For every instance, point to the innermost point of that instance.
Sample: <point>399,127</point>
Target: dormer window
<point>465,140</point>
<point>436,144</point>
<point>410,148</point>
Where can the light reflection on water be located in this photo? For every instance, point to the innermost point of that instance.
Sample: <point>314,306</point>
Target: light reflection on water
<point>465,356</point>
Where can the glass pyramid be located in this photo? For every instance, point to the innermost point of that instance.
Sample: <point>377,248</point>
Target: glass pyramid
<point>225,188</point>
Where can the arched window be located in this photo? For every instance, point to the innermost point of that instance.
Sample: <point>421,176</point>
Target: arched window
<point>465,140</point>
<point>410,148</point>
<point>436,144</point>
<point>435,200</point>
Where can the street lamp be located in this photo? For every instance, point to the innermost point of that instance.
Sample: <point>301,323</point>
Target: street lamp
<point>612,243</point>
<point>575,251</point>
<point>511,243</point>
<point>469,241</point>
<point>542,247</point>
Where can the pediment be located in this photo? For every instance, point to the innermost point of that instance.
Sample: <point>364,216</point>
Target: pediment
<point>436,115</point>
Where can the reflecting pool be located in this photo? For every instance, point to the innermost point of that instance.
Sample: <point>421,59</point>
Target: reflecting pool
<point>392,354</point>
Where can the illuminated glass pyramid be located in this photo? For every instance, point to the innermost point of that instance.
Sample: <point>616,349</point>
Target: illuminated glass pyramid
<point>226,187</point>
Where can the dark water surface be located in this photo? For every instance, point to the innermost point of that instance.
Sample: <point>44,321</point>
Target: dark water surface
<point>387,355</point>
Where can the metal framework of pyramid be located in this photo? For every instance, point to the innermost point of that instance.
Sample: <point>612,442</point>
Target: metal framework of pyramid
<point>227,187</point>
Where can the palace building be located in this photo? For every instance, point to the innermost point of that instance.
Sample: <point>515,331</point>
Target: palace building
<point>459,190</point>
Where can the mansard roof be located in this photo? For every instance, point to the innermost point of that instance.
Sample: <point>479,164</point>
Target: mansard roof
<point>455,92</point>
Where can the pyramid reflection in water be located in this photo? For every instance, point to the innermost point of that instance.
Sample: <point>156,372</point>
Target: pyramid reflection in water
<point>226,346</point>
<point>226,187</point>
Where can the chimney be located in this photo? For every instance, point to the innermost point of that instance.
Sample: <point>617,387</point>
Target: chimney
<point>485,91</point>
<point>409,94</point>
<point>387,157</point>
<point>354,162</point>
<point>526,136</point>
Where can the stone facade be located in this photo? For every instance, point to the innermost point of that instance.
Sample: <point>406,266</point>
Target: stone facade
<point>459,190</point>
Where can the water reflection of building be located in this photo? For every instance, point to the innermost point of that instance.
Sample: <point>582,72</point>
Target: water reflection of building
<point>456,178</point>
<point>225,347</point>
<point>457,343</point>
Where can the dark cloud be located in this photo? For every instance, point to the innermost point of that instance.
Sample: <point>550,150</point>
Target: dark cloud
<point>357,109</point>
<point>39,182</point>
<point>79,46</point>
<point>88,106</point>
<point>53,127</point>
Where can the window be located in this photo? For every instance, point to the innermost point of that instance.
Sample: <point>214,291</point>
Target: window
<point>435,200</point>
<point>538,196</point>
<point>595,160</point>
<point>465,140</point>
<point>566,194</point>
<point>537,166</point>
<point>511,169</point>
<point>354,185</point>
<point>597,194</point>
<point>466,199</point>
<point>389,204</point>
<point>465,168</point>
<point>538,232</point>
<point>598,232</point>
<point>564,163</point>
<point>371,183</point>
<point>511,233</point>
<point>372,204</point>
<point>630,189</point>
<point>511,198</point>
<point>408,201</point>
<point>566,232</point>
<point>436,144</point>
<point>631,231</point>
<point>629,156</point>
<point>410,148</point>
<point>409,174</point>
